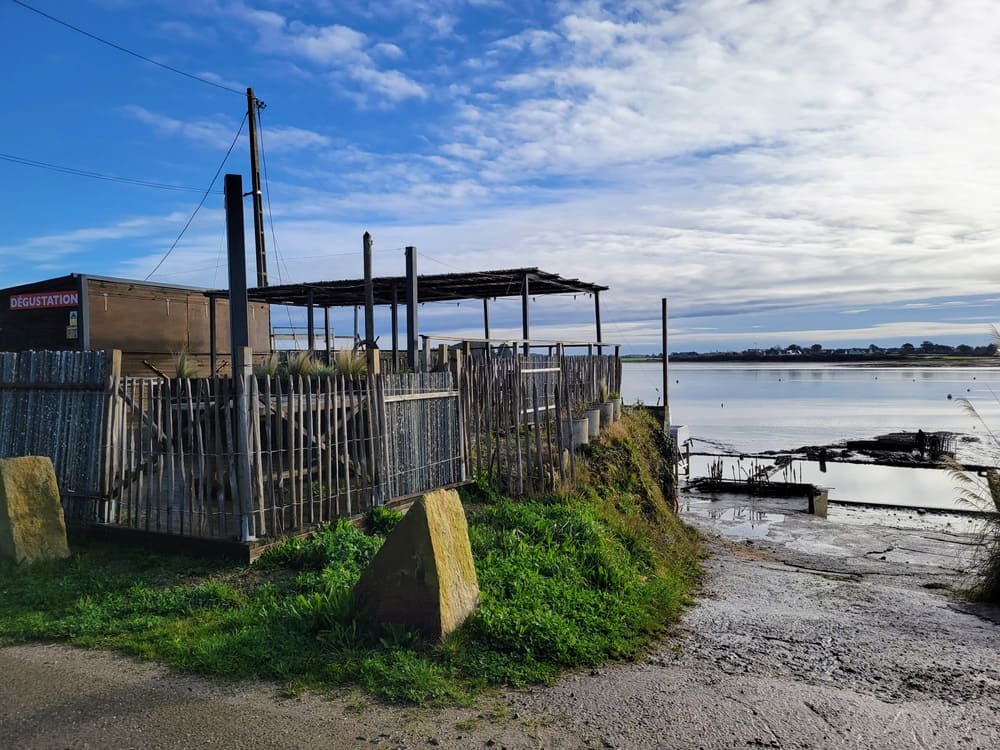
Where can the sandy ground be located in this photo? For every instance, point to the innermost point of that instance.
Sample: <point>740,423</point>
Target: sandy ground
<point>811,634</point>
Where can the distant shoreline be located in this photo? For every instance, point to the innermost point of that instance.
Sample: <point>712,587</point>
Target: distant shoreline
<point>929,360</point>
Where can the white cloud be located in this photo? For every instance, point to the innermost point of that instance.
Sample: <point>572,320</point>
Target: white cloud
<point>333,47</point>
<point>207,132</point>
<point>220,133</point>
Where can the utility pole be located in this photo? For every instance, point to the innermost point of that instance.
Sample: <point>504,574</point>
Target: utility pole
<point>253,104</point>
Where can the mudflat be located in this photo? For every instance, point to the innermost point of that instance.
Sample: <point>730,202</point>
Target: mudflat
<point>814,634</point>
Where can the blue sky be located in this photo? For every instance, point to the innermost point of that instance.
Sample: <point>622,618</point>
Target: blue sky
<point>785,171</point>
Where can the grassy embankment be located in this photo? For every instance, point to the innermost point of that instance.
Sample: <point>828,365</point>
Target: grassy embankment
<point>566,581</point>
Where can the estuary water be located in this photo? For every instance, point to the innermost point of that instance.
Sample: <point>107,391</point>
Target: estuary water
<point>746,408</point>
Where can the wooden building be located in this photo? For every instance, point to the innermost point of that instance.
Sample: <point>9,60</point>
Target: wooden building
<point>150,323</point>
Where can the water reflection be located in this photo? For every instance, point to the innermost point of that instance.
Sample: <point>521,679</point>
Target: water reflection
<point>734,515</point>
<point>847,482</point>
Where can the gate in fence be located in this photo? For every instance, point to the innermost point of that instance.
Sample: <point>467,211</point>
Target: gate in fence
<point>317,449</point>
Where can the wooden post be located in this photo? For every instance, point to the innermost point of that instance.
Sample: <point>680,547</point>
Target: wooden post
<point>395,328</point>
<point>369,292</point>
<point>486,328</point>
<point>242,372</point>
<point>258,209</point>
<point>310,321</point>
<point>597,321</point>
<point>524,312</point>
<point>326,332</point>
<point>411,308</point>
<point>456,366</point>
<point>213,339</point>
<point>239,329</point>
<point>83,325</point>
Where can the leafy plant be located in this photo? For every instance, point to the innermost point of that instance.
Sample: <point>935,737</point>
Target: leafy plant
<point>383,520</point>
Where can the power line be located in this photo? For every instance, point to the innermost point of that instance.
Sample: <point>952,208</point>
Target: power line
<point>95,175</point>
<point>202,201</point>
<point>127,51</point>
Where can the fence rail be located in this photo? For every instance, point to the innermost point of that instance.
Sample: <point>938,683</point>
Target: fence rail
<point>266,456</point>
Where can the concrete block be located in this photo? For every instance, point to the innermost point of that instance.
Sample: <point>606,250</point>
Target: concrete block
<point>32,526</point>
<point>424,576</point>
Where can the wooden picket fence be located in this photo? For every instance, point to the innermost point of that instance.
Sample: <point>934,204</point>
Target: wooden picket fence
<point>318,449</point>
<point>516,414</point>
<point>252,456</point>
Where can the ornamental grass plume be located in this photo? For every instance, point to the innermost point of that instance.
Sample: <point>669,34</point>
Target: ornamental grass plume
<point>982,491</point>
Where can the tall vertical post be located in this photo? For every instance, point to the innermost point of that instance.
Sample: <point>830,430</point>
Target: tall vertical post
<point>83,303</point>
<point>310,321</point>
<point>486,328</point>
<point>666,373</point>
<point>369,292</point>
<point>395,328</point>
<point>239,337</point>
<point>258,203</point>
<point>597,321</point>
<point>326,333</point>
<point>524,312</point>
<point>213,338</point>
<point>411,308</point>
<point>239,327</point>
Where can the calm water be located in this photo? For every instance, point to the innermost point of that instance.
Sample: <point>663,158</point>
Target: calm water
<point>739,408</point>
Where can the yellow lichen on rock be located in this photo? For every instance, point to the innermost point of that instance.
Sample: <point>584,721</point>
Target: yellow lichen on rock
<point>32,526</point>
<point>424,576</point>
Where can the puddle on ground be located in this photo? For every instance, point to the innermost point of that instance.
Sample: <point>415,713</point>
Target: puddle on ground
<point>744,517</point>
<point>734,516</point>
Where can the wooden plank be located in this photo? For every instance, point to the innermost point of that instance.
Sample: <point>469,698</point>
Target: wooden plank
<point>201,487</point>
<point>308,454</point>
<point>329,447</point>
<point>256,457</point>
<point>279,434</point>
<point>268,437</point>
<point>345,448</point>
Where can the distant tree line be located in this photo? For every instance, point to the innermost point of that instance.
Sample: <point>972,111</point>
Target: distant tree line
<point>818,353</point>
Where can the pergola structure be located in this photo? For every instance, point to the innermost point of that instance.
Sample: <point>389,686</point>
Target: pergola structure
<point>411,290</point>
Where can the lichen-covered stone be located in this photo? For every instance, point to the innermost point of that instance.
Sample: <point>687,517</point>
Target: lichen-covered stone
<point>424,576</point>
<point>32,526</point>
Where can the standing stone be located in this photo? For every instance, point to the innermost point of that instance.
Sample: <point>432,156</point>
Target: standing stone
<point>31,518</point>
<point>424,577</point>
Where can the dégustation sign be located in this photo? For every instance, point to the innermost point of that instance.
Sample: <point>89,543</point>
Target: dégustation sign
<point>40,300</point>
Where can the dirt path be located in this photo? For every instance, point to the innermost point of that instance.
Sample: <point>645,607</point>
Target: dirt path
<point>821,634</point>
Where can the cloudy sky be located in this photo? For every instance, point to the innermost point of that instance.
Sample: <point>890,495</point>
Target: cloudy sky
<point>784,171</point>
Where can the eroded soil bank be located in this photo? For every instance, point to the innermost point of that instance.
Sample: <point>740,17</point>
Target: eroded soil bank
<point>814,634</point>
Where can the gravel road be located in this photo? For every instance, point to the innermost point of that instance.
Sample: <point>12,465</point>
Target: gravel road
<point>839,633</point>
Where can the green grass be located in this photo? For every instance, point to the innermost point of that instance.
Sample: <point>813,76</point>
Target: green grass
<point>565,581</point>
